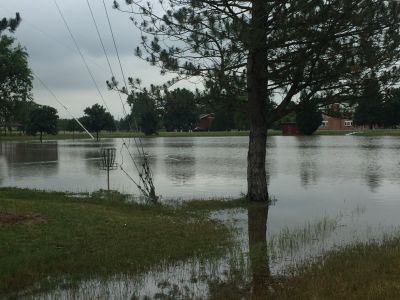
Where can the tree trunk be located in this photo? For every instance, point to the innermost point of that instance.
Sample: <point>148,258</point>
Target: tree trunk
<point>257,97</point>
<point>97,136</point>
<point>41,134</point>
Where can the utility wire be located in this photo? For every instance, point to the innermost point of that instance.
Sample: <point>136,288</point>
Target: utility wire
<point>122,72</point>
<point>59,102</point>
<point>108,60</point>
<point>49,36</point>
<point>115,44</point>
<point>145,165</point>
<point>81,55</point>
<point>148,174</point>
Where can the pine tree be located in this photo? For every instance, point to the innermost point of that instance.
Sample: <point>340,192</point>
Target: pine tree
<point>369,110</point>
<point>260,49</point>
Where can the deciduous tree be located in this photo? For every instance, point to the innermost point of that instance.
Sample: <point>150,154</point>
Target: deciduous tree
<point>15,75</point>
<point>96,118</point>
<point>145,111</point>
<point>42,119</point>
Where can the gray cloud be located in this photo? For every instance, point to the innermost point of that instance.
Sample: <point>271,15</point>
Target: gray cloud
<point>53,56</point>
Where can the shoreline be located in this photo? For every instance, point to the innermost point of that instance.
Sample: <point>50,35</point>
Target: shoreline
<point>105,135</point>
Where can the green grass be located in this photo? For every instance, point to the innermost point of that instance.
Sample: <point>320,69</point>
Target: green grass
<point>105,135</point>
<point>375,132</point>
<point>67,136</point>
<point>363,271</point>
<point>95,237</point>
<point>55,236</point>
<point>379,132</point>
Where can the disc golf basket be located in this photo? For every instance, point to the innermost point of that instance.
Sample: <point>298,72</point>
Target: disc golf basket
<point>108,162</point>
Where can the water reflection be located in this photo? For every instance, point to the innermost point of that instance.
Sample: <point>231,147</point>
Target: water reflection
<point>20,157</point>
<point>308,158</point>
<point>3,166</point>
<point>92,161</point>
<point>258,250</point>
<point>209,167</point>
<point>370,164</point>
<point>180,161</point>
<point>19,153</point>
<point>181,168</point>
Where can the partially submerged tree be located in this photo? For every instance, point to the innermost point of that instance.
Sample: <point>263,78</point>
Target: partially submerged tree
<point>15,75</point>
<point>322,48</point>
<point>42,119</point>
<point>145,112</point>
<point>96,118</point>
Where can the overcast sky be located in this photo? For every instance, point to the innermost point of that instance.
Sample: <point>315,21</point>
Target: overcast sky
<point>54,58</point>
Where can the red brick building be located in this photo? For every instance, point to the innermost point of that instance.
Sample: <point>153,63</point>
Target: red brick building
<point>336,123</point>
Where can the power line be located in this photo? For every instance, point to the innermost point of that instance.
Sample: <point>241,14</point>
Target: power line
<point>81,55</point>
<point>115,44</point>
<point>111,71</point>
<point>48,35</point>
<point>104,51</point>
<point>147,182</point>
<point>62,105</point>
<point>122,72</point>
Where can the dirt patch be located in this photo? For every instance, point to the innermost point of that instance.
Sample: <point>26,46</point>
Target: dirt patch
<point>11,219</point>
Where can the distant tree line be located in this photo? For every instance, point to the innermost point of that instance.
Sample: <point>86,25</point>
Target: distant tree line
<point>179,110</point>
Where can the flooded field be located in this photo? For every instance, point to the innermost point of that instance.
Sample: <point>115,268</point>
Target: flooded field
<point>328,192</point>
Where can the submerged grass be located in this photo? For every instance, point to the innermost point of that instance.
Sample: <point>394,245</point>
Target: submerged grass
<point>291,240</point>
<point>95,236</point>
<point>55,238</point>
<point>362,271</point>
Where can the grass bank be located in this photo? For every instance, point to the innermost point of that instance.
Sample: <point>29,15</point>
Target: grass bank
<point>47,236</point>
<point>108,135</point>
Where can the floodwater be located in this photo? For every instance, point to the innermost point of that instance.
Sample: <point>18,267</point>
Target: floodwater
<point>329,191</point>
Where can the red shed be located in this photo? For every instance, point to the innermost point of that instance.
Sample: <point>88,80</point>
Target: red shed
<point>205,122</point>
<point>290,128</point>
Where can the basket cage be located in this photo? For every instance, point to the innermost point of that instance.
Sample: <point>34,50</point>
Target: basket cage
<point>108,159</point>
